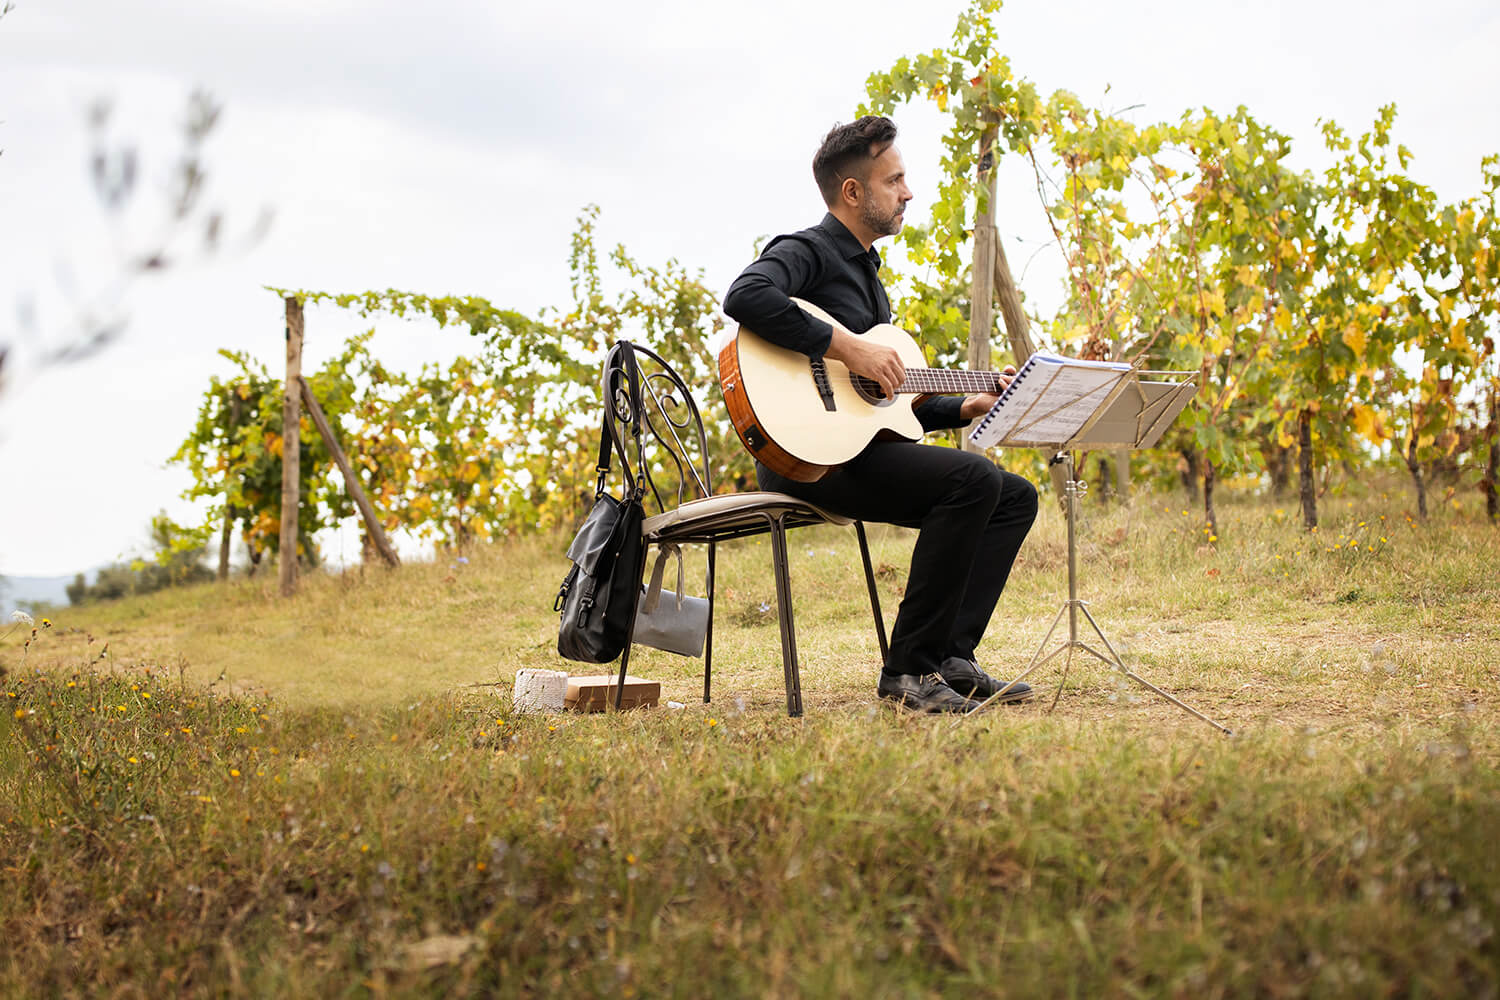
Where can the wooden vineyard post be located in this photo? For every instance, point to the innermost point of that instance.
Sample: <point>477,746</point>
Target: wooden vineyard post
<point>1018,330</point>
<point>229,512</point>
<point>1122,455</point>
<point>291,446</point>
<point>351,482</point>
<point>224,543</point>
<point>981,301</point>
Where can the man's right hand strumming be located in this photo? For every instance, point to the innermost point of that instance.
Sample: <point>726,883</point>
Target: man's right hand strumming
<point>864,357</point>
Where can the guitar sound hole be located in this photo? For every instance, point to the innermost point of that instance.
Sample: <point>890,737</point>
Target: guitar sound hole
<point>869,390</point>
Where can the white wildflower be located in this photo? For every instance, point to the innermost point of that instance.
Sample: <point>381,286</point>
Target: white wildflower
<point>22,617</point>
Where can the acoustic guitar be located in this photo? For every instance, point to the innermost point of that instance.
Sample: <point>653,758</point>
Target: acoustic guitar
<point>801,417</point>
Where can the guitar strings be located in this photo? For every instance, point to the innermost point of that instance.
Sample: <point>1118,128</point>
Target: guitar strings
<point>936,380</point>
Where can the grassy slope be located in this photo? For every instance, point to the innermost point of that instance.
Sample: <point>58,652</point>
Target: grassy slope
<point>351,806</point>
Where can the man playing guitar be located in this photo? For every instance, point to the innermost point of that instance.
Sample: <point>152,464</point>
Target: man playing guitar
<point>971,516</point>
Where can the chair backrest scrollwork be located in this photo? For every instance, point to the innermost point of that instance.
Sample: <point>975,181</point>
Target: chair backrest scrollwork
<point>662,424</point>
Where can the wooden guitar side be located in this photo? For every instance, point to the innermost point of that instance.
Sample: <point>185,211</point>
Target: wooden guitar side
<point>742,415</point>
<point>778,413</point>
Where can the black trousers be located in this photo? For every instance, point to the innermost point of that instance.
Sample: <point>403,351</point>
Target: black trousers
<point>971,518</point>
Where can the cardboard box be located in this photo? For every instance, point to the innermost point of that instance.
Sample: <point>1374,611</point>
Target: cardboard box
<point>597,693</point>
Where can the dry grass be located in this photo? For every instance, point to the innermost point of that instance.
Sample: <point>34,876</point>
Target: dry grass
<point>248,796</point>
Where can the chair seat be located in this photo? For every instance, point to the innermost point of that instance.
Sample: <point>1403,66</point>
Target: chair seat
<point>734,515</point>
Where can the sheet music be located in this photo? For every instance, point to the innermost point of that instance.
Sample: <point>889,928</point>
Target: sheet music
<point>1050,398</point>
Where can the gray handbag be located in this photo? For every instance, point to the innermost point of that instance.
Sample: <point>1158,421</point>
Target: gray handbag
<point>668,620</point>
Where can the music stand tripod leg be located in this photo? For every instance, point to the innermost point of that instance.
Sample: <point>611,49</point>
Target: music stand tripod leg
<point>1072,606</point>
<point>1037,661</point>
<point>1114,660</point>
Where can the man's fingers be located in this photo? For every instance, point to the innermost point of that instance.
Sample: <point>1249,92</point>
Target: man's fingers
<point>895,374</point>
<point>884,366</point>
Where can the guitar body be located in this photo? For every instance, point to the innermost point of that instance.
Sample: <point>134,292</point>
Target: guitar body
<point>799,422</point>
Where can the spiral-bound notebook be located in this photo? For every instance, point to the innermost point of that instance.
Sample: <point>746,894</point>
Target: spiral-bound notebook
<point>1049,400</point>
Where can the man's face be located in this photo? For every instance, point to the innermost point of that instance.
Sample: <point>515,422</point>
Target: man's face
<point>886,194</point>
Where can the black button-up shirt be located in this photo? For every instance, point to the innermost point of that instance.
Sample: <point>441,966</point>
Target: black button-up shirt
<point>828,267</point>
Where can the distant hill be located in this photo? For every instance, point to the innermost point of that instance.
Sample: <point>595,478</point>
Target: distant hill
<point>18,590</point>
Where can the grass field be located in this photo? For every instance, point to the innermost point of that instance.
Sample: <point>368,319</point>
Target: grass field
<point>214,791</point>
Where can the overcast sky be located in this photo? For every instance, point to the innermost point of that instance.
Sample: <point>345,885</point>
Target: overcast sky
<point>447,148</point>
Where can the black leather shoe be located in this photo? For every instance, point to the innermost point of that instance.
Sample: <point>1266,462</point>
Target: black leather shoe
<point>922,693</point>
<point>965,677</point>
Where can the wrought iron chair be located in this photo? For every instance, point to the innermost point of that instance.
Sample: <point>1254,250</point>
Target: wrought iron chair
<point>675,467</point>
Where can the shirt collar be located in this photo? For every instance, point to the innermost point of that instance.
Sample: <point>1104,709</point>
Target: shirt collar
<point>845,241</point>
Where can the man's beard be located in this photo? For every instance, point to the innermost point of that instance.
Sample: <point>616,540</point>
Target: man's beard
<point>885,225</point>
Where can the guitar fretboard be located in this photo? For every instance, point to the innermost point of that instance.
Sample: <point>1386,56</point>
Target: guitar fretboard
<point>942,381</point>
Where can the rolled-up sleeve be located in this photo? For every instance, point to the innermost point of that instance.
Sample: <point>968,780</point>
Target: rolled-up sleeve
<point>760,297</point>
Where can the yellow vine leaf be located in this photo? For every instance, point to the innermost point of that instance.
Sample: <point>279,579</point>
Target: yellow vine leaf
<point>1355,337</point>
<point>1283,319</point>
<point>1364,422</point>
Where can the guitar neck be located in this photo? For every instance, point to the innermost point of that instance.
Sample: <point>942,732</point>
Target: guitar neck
<point>945,381</point>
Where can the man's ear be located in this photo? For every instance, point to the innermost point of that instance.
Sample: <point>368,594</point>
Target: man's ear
<point>850,190</point>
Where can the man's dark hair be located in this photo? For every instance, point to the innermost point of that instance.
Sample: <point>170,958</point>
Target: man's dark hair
<point>847,151</point>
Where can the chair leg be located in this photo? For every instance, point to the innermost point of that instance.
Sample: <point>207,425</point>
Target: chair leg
<point>784,612</point>
<point>708,640</point>
<point>864,552</point>
<point>629,638</point>
<point>620,686</point>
